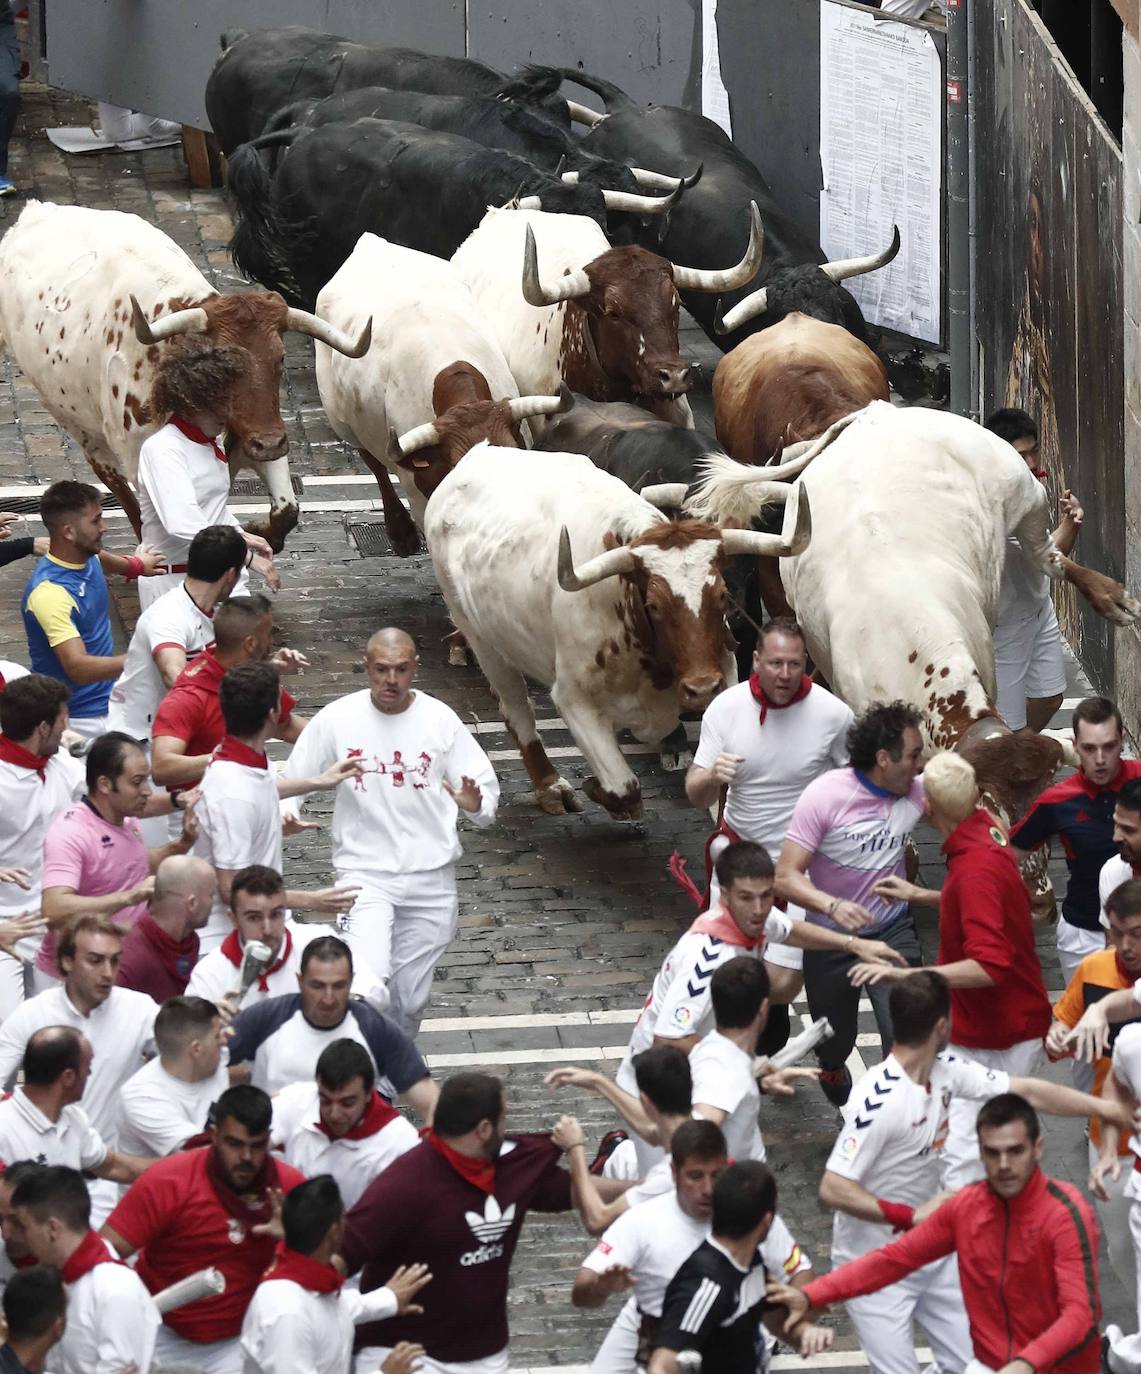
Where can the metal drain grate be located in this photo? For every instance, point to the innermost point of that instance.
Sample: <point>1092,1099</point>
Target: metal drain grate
<point>250,486</point>
<point>30,505</point>
<point>371,540</point>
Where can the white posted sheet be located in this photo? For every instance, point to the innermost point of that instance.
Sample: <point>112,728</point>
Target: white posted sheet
<point>881,123</point>
<point>714,96</point>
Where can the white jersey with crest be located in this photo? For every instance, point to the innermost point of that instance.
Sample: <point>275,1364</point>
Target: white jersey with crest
<point>892,1143</point>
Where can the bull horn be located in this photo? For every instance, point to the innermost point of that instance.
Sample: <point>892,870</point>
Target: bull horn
<point>562,164</point>
<point>192,321</point>
<point>665,495</point>
<point>571,178</point>
<point>1069,753</point>
<point>784,545</point>
<point>423,436</point>
<point>527,203</point>
<point>317,328</point>
<point>754,304</point>
<point>728,278</point>
<point>608,564</point>
<point>523,407</point>
<point>856,267</point>
<point>658,181</point>
<point>632,204</point>
<point>565,288</point>
<point>583,114</point>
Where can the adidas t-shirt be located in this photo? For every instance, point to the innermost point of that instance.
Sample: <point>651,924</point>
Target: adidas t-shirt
<point>714,1306</point>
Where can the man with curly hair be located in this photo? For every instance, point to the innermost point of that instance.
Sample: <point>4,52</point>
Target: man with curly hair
<point>848,834</point>
<point>184,475</point>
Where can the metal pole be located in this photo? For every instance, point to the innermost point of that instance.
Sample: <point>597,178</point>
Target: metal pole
<point>958,209</point>
<point>972,215</point>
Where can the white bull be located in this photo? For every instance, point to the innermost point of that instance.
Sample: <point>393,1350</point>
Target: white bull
<point>87,296</point>
<point>556,571</point>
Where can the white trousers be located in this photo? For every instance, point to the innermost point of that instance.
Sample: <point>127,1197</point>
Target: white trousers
<point>623,1161</point>
<point>1125,1351</point>
<point>932,1297</point>
<point>620,1346</point>
<point>400,925</point>
<point>209,1357</point>
<point>369,1359</point>
<point>962,1163</point>
<point>1115,1224</point>
<point>1074,943</point>
<point>90,727</point>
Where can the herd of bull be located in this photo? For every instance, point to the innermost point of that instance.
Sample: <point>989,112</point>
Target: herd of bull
<point>479,280</point>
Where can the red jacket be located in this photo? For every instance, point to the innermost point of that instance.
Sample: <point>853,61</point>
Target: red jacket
<point>984,914</point>
<point>1028,1269</point>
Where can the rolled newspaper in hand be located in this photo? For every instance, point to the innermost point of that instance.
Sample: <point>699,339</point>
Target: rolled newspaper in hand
<point>800,1045</point>
<point>256,958</point>
<point>207,1283</point>
<point>689,1362</point>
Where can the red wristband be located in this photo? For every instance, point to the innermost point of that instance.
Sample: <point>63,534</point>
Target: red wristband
<point>135,568</point>
<point>898,1215</point>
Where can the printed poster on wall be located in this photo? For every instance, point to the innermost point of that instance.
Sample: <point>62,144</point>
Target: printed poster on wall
<point>881,126</point>
<point>714,96</point>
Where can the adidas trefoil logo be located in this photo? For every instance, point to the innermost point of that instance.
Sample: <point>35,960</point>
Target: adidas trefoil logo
<point>494,1224</point>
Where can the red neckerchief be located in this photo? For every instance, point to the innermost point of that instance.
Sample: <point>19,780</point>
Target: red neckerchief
<point>762,700</point>
<point>478,1172</point>
<point>3,682</point>
<point>11,752</point>
<point>232,949</point>
<point>178,957</point>
<point>377,1115</point>
<point>24,1262</point>
<point>233,751</point>
<point>196,436</point>
<point>253,1206</point>
<point>721,924</point>
<point>302,1270</point>
<point>1040,473</point>
<point>90,1252</point>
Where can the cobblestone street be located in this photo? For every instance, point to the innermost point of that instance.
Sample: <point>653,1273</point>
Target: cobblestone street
<point>564,920</point>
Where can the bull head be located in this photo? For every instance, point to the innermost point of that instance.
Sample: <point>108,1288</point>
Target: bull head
<point>196,321</point>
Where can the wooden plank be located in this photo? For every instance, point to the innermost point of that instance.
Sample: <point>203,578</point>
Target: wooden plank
<point>203,158</point>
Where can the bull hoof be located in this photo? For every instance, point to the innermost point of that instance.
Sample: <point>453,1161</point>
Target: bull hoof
<point>406,544</point>
<point>558,798</point>
<point>627,807</point>
<point>269,530</point>
<point>676,763</point>
<point>1120,608</point>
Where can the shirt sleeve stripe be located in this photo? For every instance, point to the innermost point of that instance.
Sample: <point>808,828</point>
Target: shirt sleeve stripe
<point>700,1304</point>
<point>1089,1269</point>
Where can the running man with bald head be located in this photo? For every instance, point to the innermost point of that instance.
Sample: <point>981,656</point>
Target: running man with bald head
<point>394,826</point>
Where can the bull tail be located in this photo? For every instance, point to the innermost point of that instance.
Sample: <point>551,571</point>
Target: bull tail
<point>259,245</point>
<point>613,97</point>
<point>229,37</point>
<point>531,85</point>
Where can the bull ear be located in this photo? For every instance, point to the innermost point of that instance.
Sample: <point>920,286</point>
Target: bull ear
<point>610,540</point>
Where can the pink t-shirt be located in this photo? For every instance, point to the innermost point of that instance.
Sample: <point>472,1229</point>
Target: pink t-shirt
<point>85,852</point>
<point>857,833</point>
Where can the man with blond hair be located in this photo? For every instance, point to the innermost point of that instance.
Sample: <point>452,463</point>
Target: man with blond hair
<point>999,1008</point>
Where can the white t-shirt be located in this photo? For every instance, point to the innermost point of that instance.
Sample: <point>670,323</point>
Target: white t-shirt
<point>796,744</point>
<point>1113,873</point>
<point>396,818</point>
<point>723,1078</point>
<point>26,1133</point>
<point>183,487</point>
<point>214,975</point>
<point>121,1032</point>
<point>29,806</point>
<point>111,1324</point>
<point>353,1163</point>
<point>239,823</point>
<point>1023,589</point>
<point>892,1144</point>
<point>158,1113</point>
<point>1127,1069</point>
<point>659,1179</point>
<point>288,1329</point>
<point>679,1004</point>
<point>171,622</point>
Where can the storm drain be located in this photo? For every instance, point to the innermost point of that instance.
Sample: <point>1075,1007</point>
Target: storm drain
<point>30,505</point>
<point>250,486</point>
<point>371,540</point>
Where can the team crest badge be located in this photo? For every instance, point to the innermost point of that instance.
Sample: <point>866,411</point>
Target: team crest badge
<point>237,1232</point>
<point>998,837</point>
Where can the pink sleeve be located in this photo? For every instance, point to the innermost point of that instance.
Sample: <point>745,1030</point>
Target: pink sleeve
<point>64,853</point>
<point>813,815</point>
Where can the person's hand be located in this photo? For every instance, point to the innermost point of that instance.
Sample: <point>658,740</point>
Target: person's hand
<point>258,544</point>
<point>1107,1166</point>
<point>617,1279</point>
<point>1056,1046</point>
<point>405,1284</point>
<point>20,928</point>
<point>725,768</point>
<point>189,796</point>
<point>294,825</point>
<point>896,889</point>
<point>7,519</point>
<point>41,545</point>
<point>337,774</point>
<point>154,563</point>
<point>782,1082</point>
<point>868,975</point>
<point>794,1299</point>
<point>568,1077</point>
<point>274,1227</point>
<point>811,1340</point>
<point>190,827</point>
<point>334,899</point>
<point>289,661</point>
<point>925,1209</point>
<point>227,1006</point>
<point>877,952</point>
<point>850,915</point>
<point>567,1134</point>
<point>467,796</point>
<point>268,569</point>
<point>1119,1114</point>
<point>1070,508</point>
<point>141,892</point>
<point>1089,1039</point>
<point>20,876</point>
<point>403,1358</point>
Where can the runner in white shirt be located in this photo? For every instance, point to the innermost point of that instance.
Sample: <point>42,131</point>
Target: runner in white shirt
<point>887,1163</point>
<point>647,1245</point>
<point>37,782</point>
<point>1126,863</point>
<point>112,1320</point>
<point>174,627</point>
<point>239,812</point>
<point>301,1319</point>
<point>762,742</point>
<point>118,1023</point>
<point>340,1124</point>
<point>1124,1085</point>
<point>168,1101</point>
<point>394,828</point>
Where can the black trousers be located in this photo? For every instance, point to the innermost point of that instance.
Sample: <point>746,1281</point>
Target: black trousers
<point>9,89</point>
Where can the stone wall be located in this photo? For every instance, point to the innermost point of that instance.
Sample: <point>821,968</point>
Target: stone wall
<point>1127,676</point>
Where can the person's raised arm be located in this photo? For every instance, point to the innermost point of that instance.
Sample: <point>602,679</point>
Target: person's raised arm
<point>596,1212</point>
<point>599,1085</point>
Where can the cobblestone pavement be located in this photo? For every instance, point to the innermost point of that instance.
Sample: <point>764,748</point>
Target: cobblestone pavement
<point>564,919</point>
